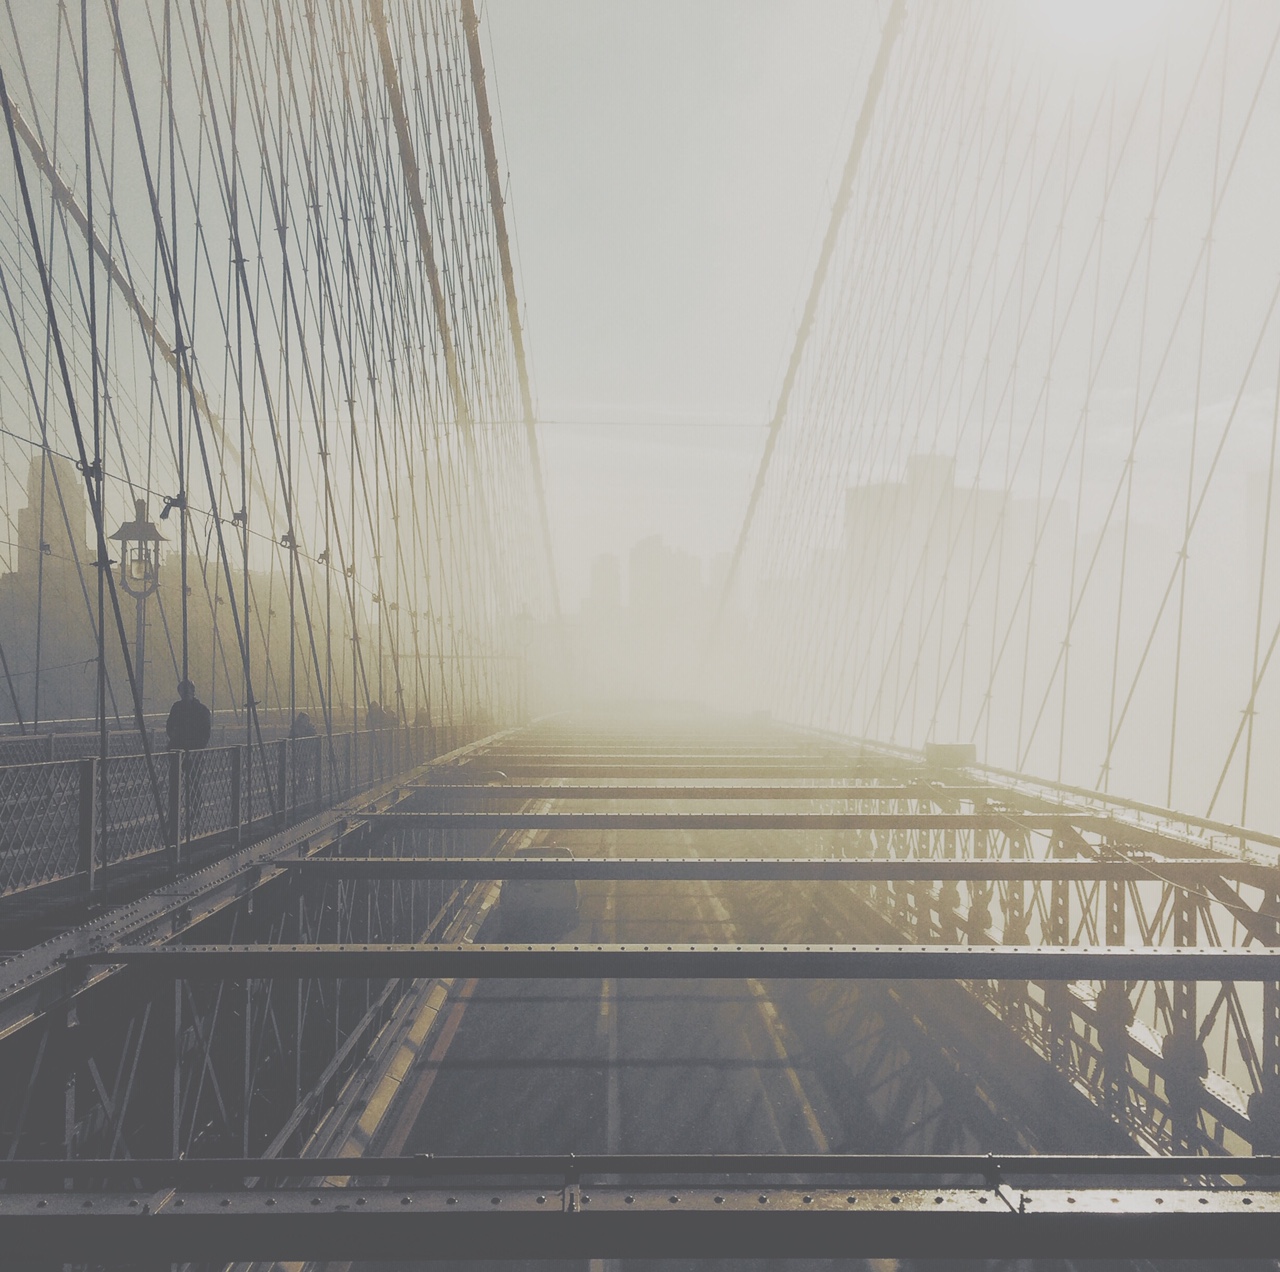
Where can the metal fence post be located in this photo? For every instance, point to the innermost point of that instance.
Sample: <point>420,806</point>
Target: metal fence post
<point>87,800</point>
<point>237,789</point>
<point>174,829</point>
<point>282,780</point>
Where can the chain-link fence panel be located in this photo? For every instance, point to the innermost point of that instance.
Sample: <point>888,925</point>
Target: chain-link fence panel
<point>305,775</point>
<point>30,748</point>
<point>49,810</point>
<point>208,782</point>
<point>377,744</point>
<point>39,824</point>
<point>75,746</point>
<point>134,825</point>
<point>261,782</point>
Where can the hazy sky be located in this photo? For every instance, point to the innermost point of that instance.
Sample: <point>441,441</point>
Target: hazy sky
<point>671,168</point>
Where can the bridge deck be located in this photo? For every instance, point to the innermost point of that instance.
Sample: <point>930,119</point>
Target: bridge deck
<point>931,985</point>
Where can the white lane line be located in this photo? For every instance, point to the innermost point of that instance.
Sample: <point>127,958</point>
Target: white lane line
<point>766,1101</point>
<point>719,917</point>
<point>773,1027</point>
<point>609,1011</point>
<point>608,1026</point>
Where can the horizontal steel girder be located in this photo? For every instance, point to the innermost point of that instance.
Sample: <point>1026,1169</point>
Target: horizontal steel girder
<point>691,768</point>
<point>748,821</point>
<point>861,792</point>
<point>511,747</point>
<point>31,1174</point>
<point>672,1221</point>
<point>1183,872</point>
<point>704,961</point>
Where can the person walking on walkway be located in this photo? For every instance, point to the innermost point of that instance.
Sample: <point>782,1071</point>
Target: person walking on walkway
<point>188,727</point>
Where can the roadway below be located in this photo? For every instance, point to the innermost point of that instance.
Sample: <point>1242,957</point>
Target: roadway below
<point>592,1066</point>
<point>618,1066</point>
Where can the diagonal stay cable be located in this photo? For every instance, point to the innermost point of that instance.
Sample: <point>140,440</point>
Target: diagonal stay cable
<point>889,35</point>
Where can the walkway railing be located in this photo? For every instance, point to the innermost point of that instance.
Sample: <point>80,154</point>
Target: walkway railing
<point>62,743</point>
<point>68,819</point>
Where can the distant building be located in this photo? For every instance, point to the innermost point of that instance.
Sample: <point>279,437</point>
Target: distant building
<point>924,512</point>
<point>48,622</point>
<point>46,600</point>
<point>663,581</point>
<point>649,647</point>
<point>604,596</point>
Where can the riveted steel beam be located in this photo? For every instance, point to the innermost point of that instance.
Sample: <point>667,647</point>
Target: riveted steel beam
<point>1184,872</point>
<point>746,821</point>
<point>701,961</point>
<point>34,1174</point>
<point>862,792</point>
<point>604,753</point>
<point>669,1221</point>
<point>698,769</point>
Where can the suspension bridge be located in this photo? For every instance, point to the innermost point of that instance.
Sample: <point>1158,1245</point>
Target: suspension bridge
<point>911,891</point>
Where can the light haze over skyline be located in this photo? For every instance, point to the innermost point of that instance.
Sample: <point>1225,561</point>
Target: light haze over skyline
<point>671,169</point>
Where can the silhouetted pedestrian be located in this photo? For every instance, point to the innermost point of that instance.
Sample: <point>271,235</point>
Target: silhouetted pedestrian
<point>189,724</point>
<point>188,727</point>
<point>306,759</point>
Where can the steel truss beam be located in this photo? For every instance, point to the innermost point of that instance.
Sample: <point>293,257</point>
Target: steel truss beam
<point>26,991</point>
<point>729,746</point>
<point>34,1174</point>
<point>669,1221</point>
<point>1184,872</point>
<point>696,769</point>
<point>861,792</point>
<point>104,1064</point>
<point>793,962</point>
<point>1054,822</point>
<point>720,754</point>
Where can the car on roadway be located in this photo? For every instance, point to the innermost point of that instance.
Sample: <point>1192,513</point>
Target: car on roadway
<point>536,907</point>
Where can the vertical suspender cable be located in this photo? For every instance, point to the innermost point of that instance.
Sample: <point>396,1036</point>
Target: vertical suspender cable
<point>893,24</point>
<point>413,186</point>
<point>180,502</point>
<point>471,24</point>
<point>87,468</point>
<point>104,561</point>
<point>13,693</point>
<point>1195,413</point>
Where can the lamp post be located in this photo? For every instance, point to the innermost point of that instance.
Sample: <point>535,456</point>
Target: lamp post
<point>139,576</point>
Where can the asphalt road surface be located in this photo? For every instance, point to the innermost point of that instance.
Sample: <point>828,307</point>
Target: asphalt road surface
<point>643,1066</point>
<point>617,1066</point>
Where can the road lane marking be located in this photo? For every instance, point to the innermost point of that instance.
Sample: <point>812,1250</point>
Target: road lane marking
<point>768,1014</point>
<point>608,1025</point>
<point>609,1015</point>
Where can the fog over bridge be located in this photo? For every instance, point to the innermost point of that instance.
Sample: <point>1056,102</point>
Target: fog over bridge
<point>638,636</point>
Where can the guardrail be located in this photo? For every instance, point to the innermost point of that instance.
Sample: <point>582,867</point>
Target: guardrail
<point>71,818</point>
<point>75,744</point>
